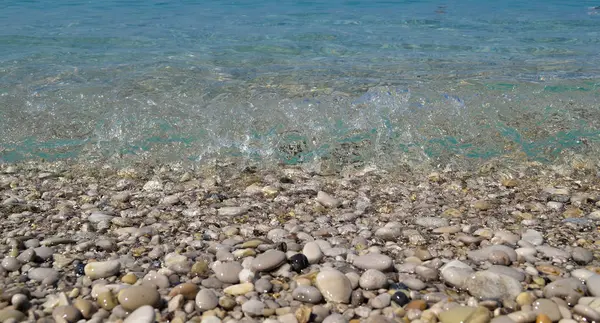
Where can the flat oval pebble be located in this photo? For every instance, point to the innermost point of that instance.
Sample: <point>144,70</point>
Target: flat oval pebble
<point>136,296</point>
<point>489,285</point>
<point>228,272</point>
<point>334,286</point>
<point>547,307</point>
<point>188,290</point>
<point>268,261</point>
<point>102,269</point>
<point>85,307</point>
<point>206,300</point>
<point>313,252</point>
<point>307,294</point>
<point>66,313</point>
<point>144,314</point>
<point>9,313</point>
<point>239,289</point>
<point>157,279</point>
<point>47,275</point>
<point>373,279</point>
<point>373,261</point>
<point>582,256</point>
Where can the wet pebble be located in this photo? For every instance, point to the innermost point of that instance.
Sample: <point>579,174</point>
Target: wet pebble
<point>307,294</point>
<point>228,272</point>
<point>299,262</point>
<point>143,314</point>
<point>206,300</point>
<point>102,269</point>
<point>334,286</point>
<point>66,313</point>
<point>373,279</point>
<point>136,296</point>
<point>268,261</point>
<point>373,261</point>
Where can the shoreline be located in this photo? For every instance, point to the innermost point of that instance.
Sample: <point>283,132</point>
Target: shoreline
<point>512,243</point>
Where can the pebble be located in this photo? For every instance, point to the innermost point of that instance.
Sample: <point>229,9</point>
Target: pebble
<point>228,272</point>
<point>102,269</point>
<point>482,254</point>
<point>188,290</point>
<point>489,285</point>
<point>143,314</point>
<point>66,313</point>
<point>206,300</point>
<point>253,307</point>
<point>327,200</point>
<point>372,279</point>
<point>400,298</point>
<point>313,252</point>
<point>239,289</point>
<point>334,286</point>
<point>582,256</point>
<point>268,261</point>
<point>8,314</point>
<point>587,312</point>
<point>593,285</point>
<point>136,296</point>
<point>85,307</point>
<point>48,276</point>
<point>156,279</point>
<point>381,301</point>
<point>11,263</point>
<point>456,273</point>
<point>432,222</point>
<point>299,262</point>
<point>307,294</point>
<point>563,288</point>
<point>335,318</point>
<point>376,261</point>
<point>547,307</point>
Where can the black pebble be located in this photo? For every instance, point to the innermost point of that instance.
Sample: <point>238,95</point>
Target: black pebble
<point>399,286</point>
<point>400,298</point>
<point>299,262</point>
<point>80,269</point>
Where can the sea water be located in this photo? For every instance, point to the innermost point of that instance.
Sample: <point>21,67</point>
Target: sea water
<point>348,82</point>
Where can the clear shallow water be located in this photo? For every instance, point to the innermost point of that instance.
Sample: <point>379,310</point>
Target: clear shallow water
<point>299,81</point>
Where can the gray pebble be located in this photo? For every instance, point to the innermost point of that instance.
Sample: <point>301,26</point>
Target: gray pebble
<point>377,261</point>
<point>206,300</point>
<point>268,261</point>
<point>307,294</point>
<point>11,263</point>
<point>47,275</point>
<point>381,301</point>
<point>593,285</point>
<point>582,256</point>
<point>253,307</point>
<point>373,279</point>
<point>335,318</point>
<point>228,272</point>
<point>263,285</point>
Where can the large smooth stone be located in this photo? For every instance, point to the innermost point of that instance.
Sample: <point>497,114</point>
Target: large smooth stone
<point>135,297</point>
<point>102,269</point>
<point>593,285</point>
<point>228,272</point>
<point>334,286</point>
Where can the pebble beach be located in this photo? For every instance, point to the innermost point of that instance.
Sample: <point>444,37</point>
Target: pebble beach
<point>166,243</point>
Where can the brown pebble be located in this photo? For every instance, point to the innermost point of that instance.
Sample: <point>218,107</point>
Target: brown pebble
<point>107,300</point>
<point>130,279</point>
<point>543,318</point>
<point>85,307</point>
<point>499,257</point>
<point>418,304</point>
<point>188,290</point>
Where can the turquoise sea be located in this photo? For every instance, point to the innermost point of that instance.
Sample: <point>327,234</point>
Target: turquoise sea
<point>299,81</point>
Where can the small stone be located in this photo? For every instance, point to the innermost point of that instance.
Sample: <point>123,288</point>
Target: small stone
<point>456,273</point>
<point>228,272</point>
<point>85,307</point>
<point>299,262</point>
<point>129,278</point>
<point>206,300</point>
<point>593,285</point>
<point>307,294</point>
<point>66,313</point>
<point>525,298</point>
<point>582,256</point>
<point>143,314</point>
<point>19,301</point>
<point>543,318</point>
<point>188,290</point>
<point>373,279</point>
<point>46,275</point>
<point>199,269</point>
<point>499,257</point>
<point>400,298</point>
<point>489,285</point>
<point>253,307</point>
<point>482,205</point>
<point>156,279</point>
<point>587,312</point>
<point>227,303</point>
<point>232,211</point>
<point>137,296</point>
<point>175,303</point>
<point>268,261</point>
<point>374,261</point>
<point>534,237</point>
<point>313,252</point>
<point>381,301</point>
<point>418,304</point>
<point>334,286</point>
<point>431,222</point>
<point>107,300</point>
<point>458,314</point>
<point>562,288</point>
<point>11,264</point>
<point>327,200</point>
<point>102,269</point>
<point>239,289</point>
<point>548,308</point>
<point>8,314</point>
